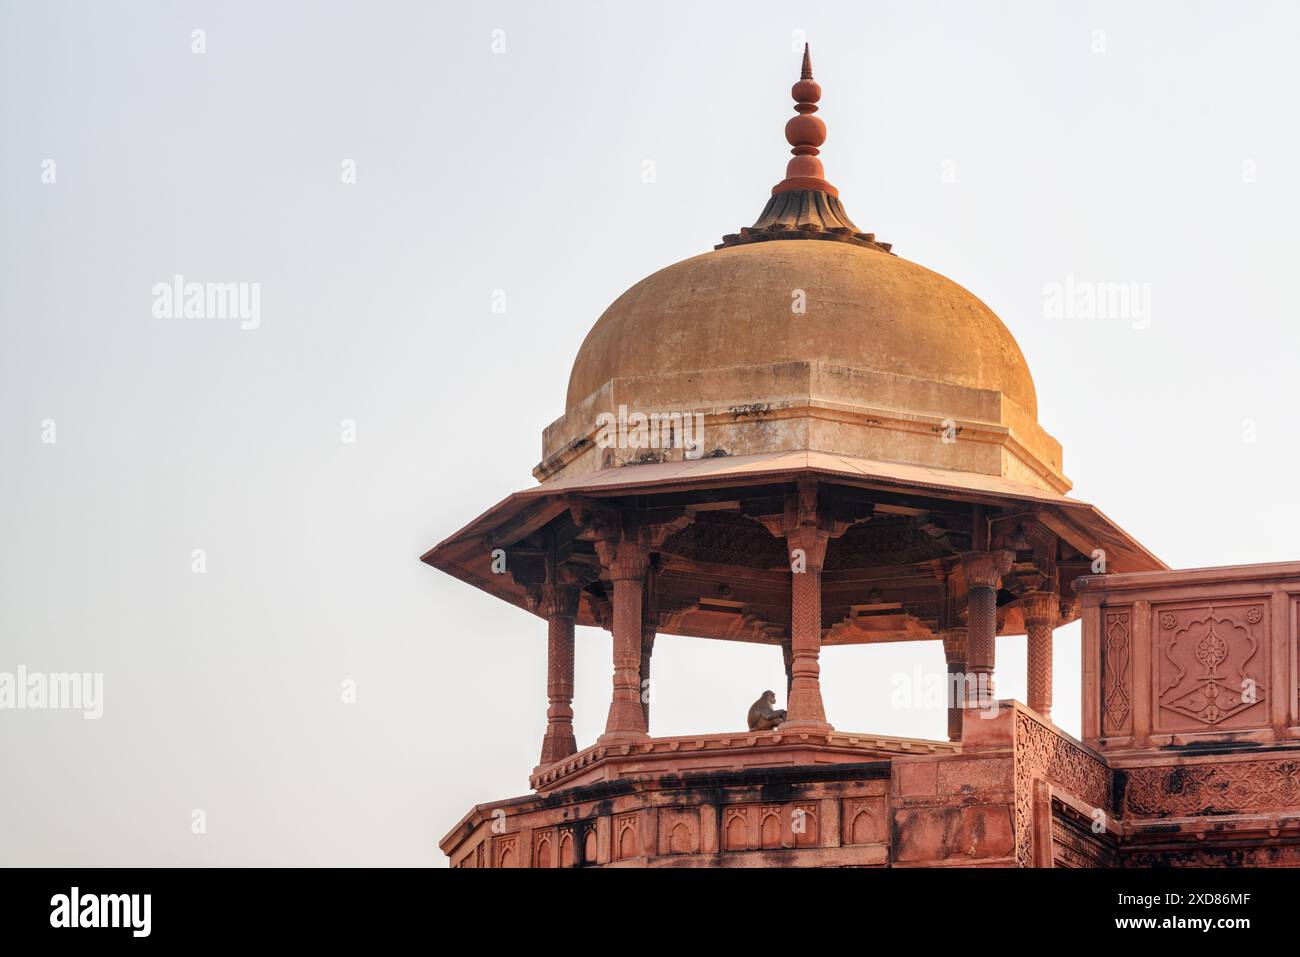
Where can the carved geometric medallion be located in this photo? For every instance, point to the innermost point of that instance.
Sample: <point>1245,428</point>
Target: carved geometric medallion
<point>1210,671</point>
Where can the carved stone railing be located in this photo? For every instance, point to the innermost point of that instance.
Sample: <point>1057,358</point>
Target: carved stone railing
<point>738,750</point>
<point>1045,755</point>
<point>1190,658</point>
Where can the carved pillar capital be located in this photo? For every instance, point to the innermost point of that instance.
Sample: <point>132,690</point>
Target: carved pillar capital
<point>630,562</point>
<point>954,644</point>
<point>559,601</point>
<point>954,654</point>
<point>1040,610</point>
<point>985,569</point>
<point>811,541</point>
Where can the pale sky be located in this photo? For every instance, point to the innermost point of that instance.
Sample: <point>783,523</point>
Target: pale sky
<point>1009,146</point>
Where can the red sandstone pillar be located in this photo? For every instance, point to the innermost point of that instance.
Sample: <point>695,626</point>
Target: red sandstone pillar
<point>649,628</point>
<point>647,649</point>
<point>1040,611</point>
<point>954,653</point>
<point>984,571</point>
<point>804,710</point>
<point>560,606</point>
<point>627,571</point>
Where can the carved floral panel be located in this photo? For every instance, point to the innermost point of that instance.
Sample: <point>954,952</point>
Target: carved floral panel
<point>1212,668</point>
<point>1117,671</point>
<point>1192,790</point>
<point>1041,753</point>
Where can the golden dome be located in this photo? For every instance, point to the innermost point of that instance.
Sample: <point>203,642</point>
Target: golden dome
<point>862,308</point>
<point>803,333</point>
<point>788,344</point>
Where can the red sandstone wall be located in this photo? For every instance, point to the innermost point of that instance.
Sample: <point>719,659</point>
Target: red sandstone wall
<point>1187,658</point>
<point>708,822</point>
<point>1190,692</point>
<point>995,805</point>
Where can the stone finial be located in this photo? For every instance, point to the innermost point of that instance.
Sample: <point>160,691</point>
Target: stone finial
<point>805,133</point>
<point>804,205</point>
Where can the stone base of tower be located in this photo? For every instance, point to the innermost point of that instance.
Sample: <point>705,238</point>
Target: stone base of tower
<point>1018,792</point>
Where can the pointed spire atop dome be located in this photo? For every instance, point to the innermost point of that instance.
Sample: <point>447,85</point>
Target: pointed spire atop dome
<point>805,133</point>
<point>804,205</point>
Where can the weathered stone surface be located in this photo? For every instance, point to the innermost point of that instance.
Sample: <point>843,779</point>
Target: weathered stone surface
<point>968,834</point>
<point>716,333</point>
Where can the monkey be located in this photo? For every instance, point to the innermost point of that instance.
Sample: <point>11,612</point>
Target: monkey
<point>762,716</point>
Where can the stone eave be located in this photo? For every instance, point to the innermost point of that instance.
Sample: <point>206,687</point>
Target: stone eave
<point>757,746</point>
<point>465,554</point>
<point>818,391</point>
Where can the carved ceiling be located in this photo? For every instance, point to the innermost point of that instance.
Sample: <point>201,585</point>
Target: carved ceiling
<point>885,540</point>
<point>727,538</point>
<point>891,570</point>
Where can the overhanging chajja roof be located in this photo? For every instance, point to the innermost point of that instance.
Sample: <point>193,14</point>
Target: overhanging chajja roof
<point>466,554</point>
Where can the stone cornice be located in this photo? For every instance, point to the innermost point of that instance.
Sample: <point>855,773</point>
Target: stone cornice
<point>666,750</point>
<point>969,415</point>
